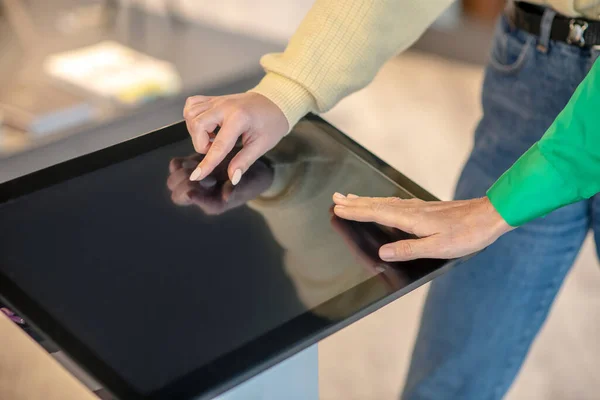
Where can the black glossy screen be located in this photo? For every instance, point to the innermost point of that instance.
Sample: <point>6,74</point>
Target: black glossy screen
<point>159,276</point>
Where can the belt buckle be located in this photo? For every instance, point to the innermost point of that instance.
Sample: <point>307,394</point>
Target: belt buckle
<point>576,30</point>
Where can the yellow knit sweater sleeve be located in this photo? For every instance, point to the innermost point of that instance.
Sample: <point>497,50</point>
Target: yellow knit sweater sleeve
<point>338,49</point>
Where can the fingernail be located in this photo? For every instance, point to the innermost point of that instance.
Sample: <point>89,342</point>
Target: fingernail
<point>352,196</point>
<point>228,195</point>
<point>339,195</point>
<point>196,174</point>
<point>339,207</point>
<point>208,182</point>
<point>237,175</point>
<point>386,253</point>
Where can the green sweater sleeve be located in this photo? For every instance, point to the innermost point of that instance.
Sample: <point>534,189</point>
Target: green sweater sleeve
<point>562,168</point>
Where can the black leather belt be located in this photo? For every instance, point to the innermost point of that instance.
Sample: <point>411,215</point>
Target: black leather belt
<point>575,31</point>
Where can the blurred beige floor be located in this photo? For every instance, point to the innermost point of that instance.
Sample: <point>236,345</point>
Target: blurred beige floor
<point>419,115</point>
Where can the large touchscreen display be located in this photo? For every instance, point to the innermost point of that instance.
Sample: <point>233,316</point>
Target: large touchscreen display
<point>159,276</point>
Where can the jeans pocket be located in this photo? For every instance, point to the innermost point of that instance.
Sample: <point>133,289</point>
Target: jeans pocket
<point>511,48</point>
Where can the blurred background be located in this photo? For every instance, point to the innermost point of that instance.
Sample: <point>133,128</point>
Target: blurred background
<point>79,75</point>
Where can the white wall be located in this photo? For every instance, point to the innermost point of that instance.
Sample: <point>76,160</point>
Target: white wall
<point>275,20</point>
<point>268,19</point>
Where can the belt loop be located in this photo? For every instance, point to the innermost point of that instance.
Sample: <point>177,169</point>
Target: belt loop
<point>545,30</point>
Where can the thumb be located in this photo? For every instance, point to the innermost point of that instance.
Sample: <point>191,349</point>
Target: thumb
<point>411,249</point>
<point>244,159</point>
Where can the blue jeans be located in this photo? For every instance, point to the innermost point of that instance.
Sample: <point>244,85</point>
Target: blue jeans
<point>480,318</point>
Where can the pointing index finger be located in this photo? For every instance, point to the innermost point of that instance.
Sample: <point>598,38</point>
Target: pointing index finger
<point>221,147</point>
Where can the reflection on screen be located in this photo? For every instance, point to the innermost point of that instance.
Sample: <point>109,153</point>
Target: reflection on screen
<point>159,276</point>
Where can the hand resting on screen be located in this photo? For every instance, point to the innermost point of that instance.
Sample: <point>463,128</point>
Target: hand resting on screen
<point>215,194</point>
<point>444,229</point>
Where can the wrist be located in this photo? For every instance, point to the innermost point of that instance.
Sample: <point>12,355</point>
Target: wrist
<point>493,218</point>
<point>291,98</point>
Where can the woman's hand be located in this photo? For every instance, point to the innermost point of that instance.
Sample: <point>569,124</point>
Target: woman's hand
<point>446,229</point>
<point>251,116</point>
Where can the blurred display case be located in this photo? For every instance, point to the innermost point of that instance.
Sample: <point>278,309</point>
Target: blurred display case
<point>80,67</point>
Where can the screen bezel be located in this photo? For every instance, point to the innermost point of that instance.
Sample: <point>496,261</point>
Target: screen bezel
<point>240,364</point>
